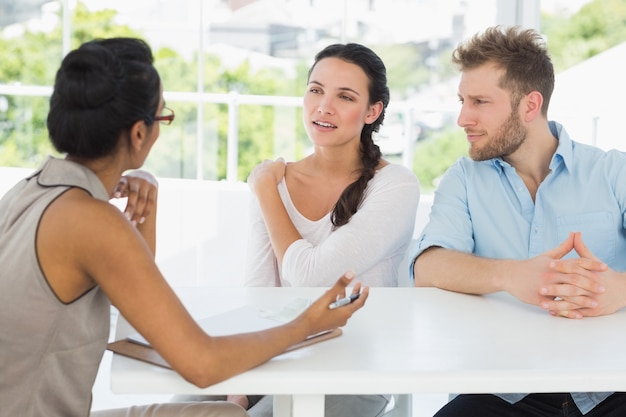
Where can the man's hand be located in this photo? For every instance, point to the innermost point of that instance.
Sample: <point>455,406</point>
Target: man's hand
<point>594,288</point>
<point>565,287</point>
<point>525,279</point>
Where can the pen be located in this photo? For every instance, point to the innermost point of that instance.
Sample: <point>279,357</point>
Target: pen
<point>344,301</point>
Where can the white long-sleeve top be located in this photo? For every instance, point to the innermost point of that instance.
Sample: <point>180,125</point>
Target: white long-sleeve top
<point>372,243</point>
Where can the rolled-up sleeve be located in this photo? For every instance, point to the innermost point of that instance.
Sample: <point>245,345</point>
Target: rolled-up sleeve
<point>450,224</point>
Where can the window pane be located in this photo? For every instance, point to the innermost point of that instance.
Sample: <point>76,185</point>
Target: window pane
<point>251,53</point>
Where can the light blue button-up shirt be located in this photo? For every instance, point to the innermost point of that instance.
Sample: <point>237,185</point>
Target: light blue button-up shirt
<point>484,208</point>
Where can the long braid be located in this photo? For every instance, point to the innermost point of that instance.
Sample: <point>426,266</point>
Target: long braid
<point>351,198</point>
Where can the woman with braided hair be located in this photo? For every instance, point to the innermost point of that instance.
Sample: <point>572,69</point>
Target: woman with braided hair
<point>341,208</point>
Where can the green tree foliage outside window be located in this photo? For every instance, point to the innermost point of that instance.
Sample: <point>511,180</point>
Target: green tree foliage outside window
<point>29,60</point>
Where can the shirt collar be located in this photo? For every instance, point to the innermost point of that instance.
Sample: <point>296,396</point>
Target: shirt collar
<point>61,172</point>
<point>563,153</point>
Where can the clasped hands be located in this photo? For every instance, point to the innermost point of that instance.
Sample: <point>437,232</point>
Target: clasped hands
<point>575,287</point>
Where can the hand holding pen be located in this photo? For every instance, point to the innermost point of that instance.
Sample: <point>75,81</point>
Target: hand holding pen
<point>322,315</point>
<point>344,301</point>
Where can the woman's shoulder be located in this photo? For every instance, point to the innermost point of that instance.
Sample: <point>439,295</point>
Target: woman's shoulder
<point>396,172</point>
<point>89,215</point>
<point>394,180</point>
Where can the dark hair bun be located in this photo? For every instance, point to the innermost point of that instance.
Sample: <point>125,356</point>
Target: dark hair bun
<point>102,89</point>
<point>89,79</point>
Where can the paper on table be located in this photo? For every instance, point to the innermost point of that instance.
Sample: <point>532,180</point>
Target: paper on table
<point>289,311</point>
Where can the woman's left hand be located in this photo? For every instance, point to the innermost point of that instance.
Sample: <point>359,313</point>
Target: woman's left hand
<point>141,189</point>
<point>267,170</point>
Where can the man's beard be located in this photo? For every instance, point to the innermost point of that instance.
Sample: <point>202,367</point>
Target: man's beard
<point>504,142</point>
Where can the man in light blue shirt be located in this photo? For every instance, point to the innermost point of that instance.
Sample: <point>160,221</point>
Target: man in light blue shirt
<point>532,212</point>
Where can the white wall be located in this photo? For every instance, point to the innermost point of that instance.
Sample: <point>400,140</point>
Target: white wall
<point>202,226</point>
<point>587,99</point>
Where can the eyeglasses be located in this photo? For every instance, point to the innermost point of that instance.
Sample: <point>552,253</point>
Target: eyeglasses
<point>167,118</point>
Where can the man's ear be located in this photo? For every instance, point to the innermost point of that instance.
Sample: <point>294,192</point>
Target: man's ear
<point>532,105</point>
<point>374,111</point>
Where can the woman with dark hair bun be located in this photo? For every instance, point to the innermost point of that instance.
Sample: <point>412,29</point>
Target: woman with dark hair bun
<point>343,206</point>
<point>67,254</point>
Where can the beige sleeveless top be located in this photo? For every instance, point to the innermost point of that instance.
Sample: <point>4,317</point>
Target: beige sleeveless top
<point>49,351</point>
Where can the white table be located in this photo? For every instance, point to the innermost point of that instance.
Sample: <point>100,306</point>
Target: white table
<point>409,340</point>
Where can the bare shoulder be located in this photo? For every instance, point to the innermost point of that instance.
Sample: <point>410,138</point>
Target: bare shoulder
<point>77,214</point>
<point>88,230</point>
<point>76,233</point>
<point>299,174</point>
<point>300,167</point>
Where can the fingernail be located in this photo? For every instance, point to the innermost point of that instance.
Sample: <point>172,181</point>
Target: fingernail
<point>544,306</point>
<point>142,220</point>
<point>349,274</point>
<point>117,194</point>
<point>544,290</point>
<point>127,214</point>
